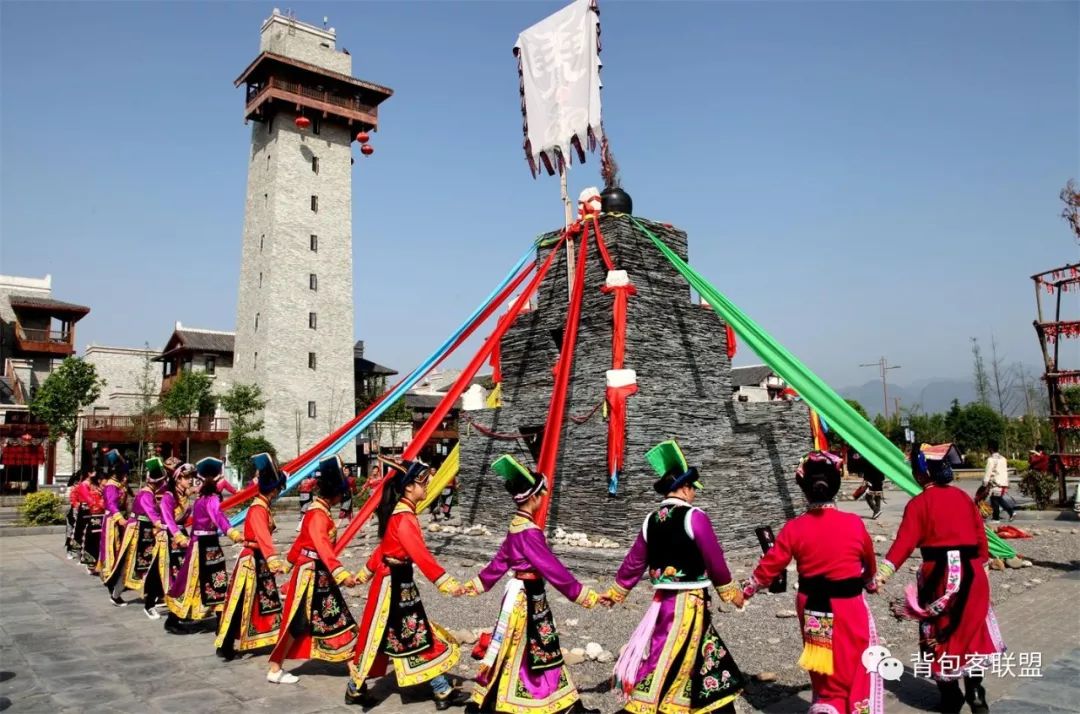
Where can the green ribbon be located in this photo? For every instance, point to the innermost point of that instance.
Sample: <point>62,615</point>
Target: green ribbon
<point>838,413</point>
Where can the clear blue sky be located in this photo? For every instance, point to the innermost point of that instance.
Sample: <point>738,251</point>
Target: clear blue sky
<point>862,178</point>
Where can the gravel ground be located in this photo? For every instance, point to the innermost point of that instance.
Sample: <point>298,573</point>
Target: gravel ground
<point>762,641</point>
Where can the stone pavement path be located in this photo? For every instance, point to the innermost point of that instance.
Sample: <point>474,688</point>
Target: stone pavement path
<point>64,648</point>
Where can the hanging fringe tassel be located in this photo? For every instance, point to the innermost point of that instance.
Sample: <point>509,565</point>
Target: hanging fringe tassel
<point>817,654</point>
<point>625,676</point>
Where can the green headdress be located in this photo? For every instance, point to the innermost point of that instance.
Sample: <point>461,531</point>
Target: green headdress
<point>672,471</point>
<point>155,470</point>
<point>520,482</point>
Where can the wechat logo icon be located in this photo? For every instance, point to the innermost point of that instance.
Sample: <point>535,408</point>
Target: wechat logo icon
<point>878,659</point>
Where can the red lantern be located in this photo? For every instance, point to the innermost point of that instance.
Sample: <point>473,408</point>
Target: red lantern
<point>302,123</point>
<point>362,137</point>
<point>367,149</point>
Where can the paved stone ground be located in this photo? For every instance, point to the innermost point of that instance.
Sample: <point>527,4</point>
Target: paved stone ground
<point>64,648</point>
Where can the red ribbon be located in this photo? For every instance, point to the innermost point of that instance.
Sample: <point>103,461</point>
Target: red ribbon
<point>433,422</point>
<point>549,449</point>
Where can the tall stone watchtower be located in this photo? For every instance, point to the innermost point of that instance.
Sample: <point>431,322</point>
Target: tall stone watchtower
<point>294,321</point>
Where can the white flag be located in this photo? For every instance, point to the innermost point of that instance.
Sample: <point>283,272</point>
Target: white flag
<point>559,67</point>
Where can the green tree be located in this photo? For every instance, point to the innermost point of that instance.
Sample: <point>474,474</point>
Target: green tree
<point>70,387</point>
<point>930,428</point>
<point>240,455</point>
<point>242,403</point>
<point>188,395</point>
<point>1070,396</point>
<point>890,427</point>
<point>982,379</point>
<point>975,425</point>
<point>391,420</point>
<point>144,425</point>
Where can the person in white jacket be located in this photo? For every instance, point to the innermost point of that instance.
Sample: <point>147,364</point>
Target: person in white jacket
<point>997,480</point>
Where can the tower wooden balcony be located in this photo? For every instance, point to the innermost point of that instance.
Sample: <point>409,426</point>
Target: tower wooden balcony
<point>276,82</point>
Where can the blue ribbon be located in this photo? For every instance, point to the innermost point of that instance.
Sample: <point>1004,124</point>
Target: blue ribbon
<point>399,391</point>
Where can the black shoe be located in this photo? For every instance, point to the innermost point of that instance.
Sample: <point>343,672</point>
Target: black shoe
<point>952,699</point>
<point>453,698</point>
<point>175,628</point>
<point>361,698</point>
<point>117,602</point>
<point>474,708</point>
<point>226,654</point>
<point>579,707</point>
<point>976,698</point>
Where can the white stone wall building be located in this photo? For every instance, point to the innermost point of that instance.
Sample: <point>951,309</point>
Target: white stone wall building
<point>294,325</point>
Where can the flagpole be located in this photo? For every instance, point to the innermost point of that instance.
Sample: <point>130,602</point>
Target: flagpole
<point>568,219</point>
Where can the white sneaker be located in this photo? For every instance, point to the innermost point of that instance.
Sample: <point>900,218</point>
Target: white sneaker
<point>152,614</point>
<point>281,677</point>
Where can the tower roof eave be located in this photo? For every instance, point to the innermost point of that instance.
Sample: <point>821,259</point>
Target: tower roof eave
<point>374,92</point>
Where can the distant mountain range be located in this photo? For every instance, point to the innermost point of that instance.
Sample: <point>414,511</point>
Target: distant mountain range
<point>932,395</point>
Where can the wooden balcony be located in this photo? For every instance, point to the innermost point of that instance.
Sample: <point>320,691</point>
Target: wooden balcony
<point>99,427</point>
<point>45,341</point>
<point>15,430</point>
<point>349,109</point>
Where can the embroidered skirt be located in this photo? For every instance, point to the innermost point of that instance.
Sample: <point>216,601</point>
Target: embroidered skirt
<point>198,592</point>
<point>316,617</point>
<point>91,540</point>
<point>135,556</point>
<point>112,534</point>
<point>687,668</point>
<point>253,597</point>
<point>964,636</point>
<point>396,629</point>
<point>523,671</point>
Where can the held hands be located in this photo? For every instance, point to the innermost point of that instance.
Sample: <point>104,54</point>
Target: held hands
<point>450,586</point>
<point>613,596</point>
<point>180,540</point>
<point>234,535</point>
<point>470,588</point>
<point>731,593</point>
<point>363,576</point>
<point>885,571</point>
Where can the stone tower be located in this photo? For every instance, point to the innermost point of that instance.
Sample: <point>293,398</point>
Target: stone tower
<point>294,322</point>
<point>746,452</point>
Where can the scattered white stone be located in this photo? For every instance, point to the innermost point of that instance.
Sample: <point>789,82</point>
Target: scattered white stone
<point>560,533</point>
<point>570,622</point>
<point>786,613</point>
<point>1037,581</point>
<point>605,657</point>
<point>593,650</point>
<point>880,539</point>
<point>765,677</point>
<point>913,568</point>
<point>574,656</point>
<point>466,564</point>
<point>773,640</point>
<point>434,528</point>
<point>465,637</point>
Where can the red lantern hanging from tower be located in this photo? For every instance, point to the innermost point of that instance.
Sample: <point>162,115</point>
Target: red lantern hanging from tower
<point>302,122</point>
<point>367,149</point>
<point>362,137</point>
